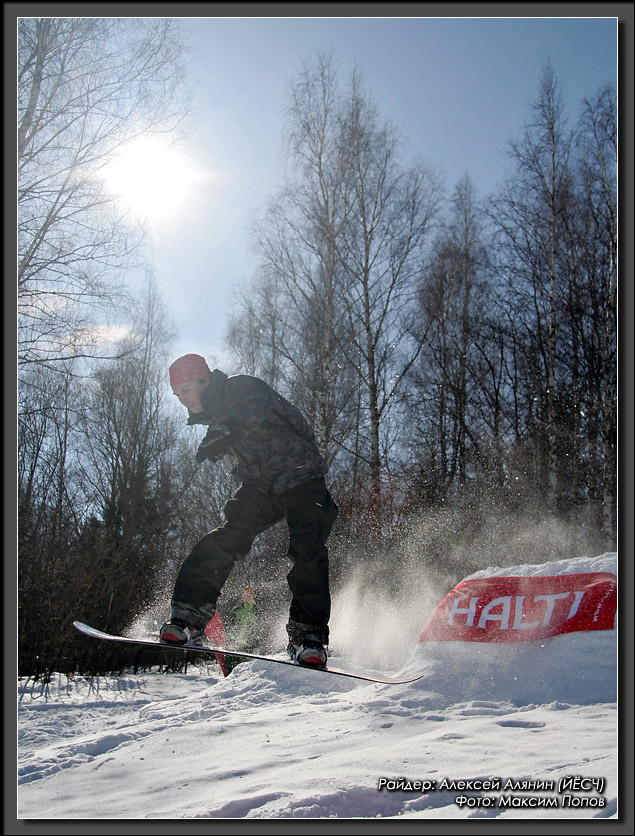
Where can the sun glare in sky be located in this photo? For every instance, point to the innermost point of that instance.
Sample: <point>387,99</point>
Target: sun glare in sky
<point>154,179</point>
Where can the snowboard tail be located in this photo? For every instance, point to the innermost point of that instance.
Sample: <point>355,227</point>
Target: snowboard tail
<point>92,632</point>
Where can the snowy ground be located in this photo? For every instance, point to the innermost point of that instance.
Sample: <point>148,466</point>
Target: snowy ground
<point>272,742</point>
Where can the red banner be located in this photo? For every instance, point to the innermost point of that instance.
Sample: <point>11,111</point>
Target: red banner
<point>511,609</point>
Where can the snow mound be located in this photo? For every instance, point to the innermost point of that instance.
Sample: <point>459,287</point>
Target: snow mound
<point>575,668</point>
<point>573,566</point>
<point>276,742</point>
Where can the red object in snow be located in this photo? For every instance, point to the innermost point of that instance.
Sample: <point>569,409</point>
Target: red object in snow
<point>215,632</point>
<point>512,609</point>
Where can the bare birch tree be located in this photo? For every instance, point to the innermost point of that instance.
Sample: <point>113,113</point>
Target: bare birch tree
<point>85,85</point>
<point>126,461</point>
<point>534,215</point>
<point>447,399</point>
<point>342,245</point>
<point>595,313</point>
<point>389,214</point>
<point>299,292</point>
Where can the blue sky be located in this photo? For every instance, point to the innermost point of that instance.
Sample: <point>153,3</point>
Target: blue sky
<point>458,88</point>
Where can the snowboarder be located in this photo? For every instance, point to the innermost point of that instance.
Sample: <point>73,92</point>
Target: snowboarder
<point>281,475</point>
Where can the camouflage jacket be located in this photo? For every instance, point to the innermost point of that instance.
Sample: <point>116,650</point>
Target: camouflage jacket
<point>275,447</point>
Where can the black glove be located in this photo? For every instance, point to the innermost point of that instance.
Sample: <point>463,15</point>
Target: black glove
<point>215,445</point>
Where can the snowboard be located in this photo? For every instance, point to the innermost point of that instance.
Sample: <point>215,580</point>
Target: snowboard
<point>218,651</point>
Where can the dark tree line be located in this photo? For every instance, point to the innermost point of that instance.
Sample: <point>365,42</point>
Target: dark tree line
<point>456,355</point>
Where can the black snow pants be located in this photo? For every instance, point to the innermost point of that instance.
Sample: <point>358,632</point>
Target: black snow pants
<point>310,513</point>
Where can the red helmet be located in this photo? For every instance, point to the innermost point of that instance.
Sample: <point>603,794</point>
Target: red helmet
<point>187,368</point>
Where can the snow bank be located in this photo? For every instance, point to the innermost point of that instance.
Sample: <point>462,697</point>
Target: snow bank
<point>574,566</point>
<point>276,742</point>
<point>575,668</point>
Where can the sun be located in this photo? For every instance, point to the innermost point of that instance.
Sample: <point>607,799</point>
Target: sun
<point>154,179</point>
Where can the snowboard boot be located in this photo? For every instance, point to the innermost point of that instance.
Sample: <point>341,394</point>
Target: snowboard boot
<point>307,644</point>
<point>310,653</point>
<point>176,631</point>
